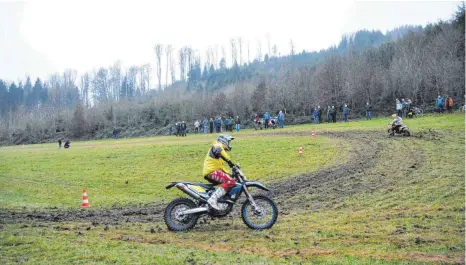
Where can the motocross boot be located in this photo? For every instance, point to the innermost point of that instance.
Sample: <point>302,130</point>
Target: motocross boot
<point>212,201</point>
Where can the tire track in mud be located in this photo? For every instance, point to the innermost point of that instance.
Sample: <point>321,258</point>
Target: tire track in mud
<point>328,186</point>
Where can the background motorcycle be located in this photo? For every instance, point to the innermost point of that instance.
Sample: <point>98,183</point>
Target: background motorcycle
<point>401,130</point>
<point>257,212</point>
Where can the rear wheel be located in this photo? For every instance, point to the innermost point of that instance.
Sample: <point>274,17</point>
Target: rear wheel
<point>176,221</point>
<point>263,217</point>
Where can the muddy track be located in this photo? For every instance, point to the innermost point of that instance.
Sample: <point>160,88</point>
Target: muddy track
<point>328,186</point>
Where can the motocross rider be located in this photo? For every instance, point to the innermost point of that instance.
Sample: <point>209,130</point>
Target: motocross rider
<point>214,169</point>
<point>396,123</point>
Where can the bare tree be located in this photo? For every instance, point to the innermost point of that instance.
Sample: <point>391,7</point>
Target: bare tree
<point>115,80</point>
<point>249,59</point>
<point>233,51</point>
<point>182,58</point>
<point>267,36</point>
<point>240,46</point>
<point>275,50</point>
<point>85,83</point>
<point>259,50</point>
<point>168,54</point>
<point>224,53</point>
<point>158,53</point>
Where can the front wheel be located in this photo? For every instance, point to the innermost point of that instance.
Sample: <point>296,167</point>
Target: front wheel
<point>263,217</point>
<point>176,221</point>
<point>406,133</point>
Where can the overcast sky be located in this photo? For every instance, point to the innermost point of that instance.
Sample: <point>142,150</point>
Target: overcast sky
<point>38,37</point>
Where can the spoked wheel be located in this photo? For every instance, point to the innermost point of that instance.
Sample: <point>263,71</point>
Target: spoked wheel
<point>263,217</point>
<point>175,220</point>
<point>406,133</point>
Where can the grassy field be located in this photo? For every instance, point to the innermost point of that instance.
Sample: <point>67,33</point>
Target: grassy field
<point>386,200</point>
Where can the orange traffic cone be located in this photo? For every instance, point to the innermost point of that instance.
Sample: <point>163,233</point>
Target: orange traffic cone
<point>85,203</point>
<point>300,150</point>
<point>313,133</point>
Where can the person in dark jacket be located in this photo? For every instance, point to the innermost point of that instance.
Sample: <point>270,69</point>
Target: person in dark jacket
<point>333,113</point>
<point>211,125</point>
<point>177,129</point>
<point>59,143</point>
<point>183,128</point>
<point>67,143</point>
<point>329,114</point>
<point>115,133</point>
<point>368,111</point>
<point>238,123</point>
<point>320,114</point>
<point>346,113</point>
<point>316,115</point>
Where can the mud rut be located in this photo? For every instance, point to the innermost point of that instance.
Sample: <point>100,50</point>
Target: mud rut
<point>327,187</point>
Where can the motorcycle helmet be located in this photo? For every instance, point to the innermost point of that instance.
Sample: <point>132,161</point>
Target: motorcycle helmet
<point>225,140</point>
<point>394,116</point>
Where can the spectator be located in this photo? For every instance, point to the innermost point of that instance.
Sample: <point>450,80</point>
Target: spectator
<point>59,143</point>
<point>196,127</point>
<point>115,133</point>
<point>218,125</point>
<point>67,143</point>
<point>170,131</point>
<point>211,125</point>
<point>449,104</point>
<point>281,119</point>
<point>399,108</point>
<point>178,129</point>
<point>183,128</point>
<point>316,115</point>
<point>346,113</point>
<point>266,119</point>
<point>232,121</point>
<point>368,111</point>
<point>238,123</point>
<point>206,125</point>
<point>440,102</point>
<point>201,126</point>
<point>333,112</point>
<point>329,113</point>
<point>408,106</point>
<point>403,107</point>
<point>227,124</point>
<point>320,114</point>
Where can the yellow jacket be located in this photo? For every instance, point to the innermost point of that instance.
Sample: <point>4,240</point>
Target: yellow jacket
<point>215,159</point>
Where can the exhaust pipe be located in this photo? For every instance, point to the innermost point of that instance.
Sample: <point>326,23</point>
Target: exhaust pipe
<point>195,210</point>
<point>189,191</point>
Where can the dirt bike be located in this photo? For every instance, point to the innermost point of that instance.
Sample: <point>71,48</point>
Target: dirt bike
<point>258,211</point>
<point>398,130</point>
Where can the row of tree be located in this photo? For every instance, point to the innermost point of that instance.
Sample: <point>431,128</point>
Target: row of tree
<point>409,62</point>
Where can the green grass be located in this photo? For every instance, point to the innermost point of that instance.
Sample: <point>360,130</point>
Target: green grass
<point>43,176</point>
<point>401,215</point>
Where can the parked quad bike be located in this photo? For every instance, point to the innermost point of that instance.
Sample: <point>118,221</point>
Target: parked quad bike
<point>258,212</point>
<point>398,130</point>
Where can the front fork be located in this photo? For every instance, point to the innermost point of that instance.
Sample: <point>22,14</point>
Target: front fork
<point>253,203</point>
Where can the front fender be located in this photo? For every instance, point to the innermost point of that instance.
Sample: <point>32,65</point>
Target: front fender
<point>256,184</point>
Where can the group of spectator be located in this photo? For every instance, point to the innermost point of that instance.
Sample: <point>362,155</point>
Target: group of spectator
<point>442,103</point>
<point>268,121</point>
<point>211,125</point>
<point>180,129</point>
<point>403,107</point>
<point>332,113</point>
